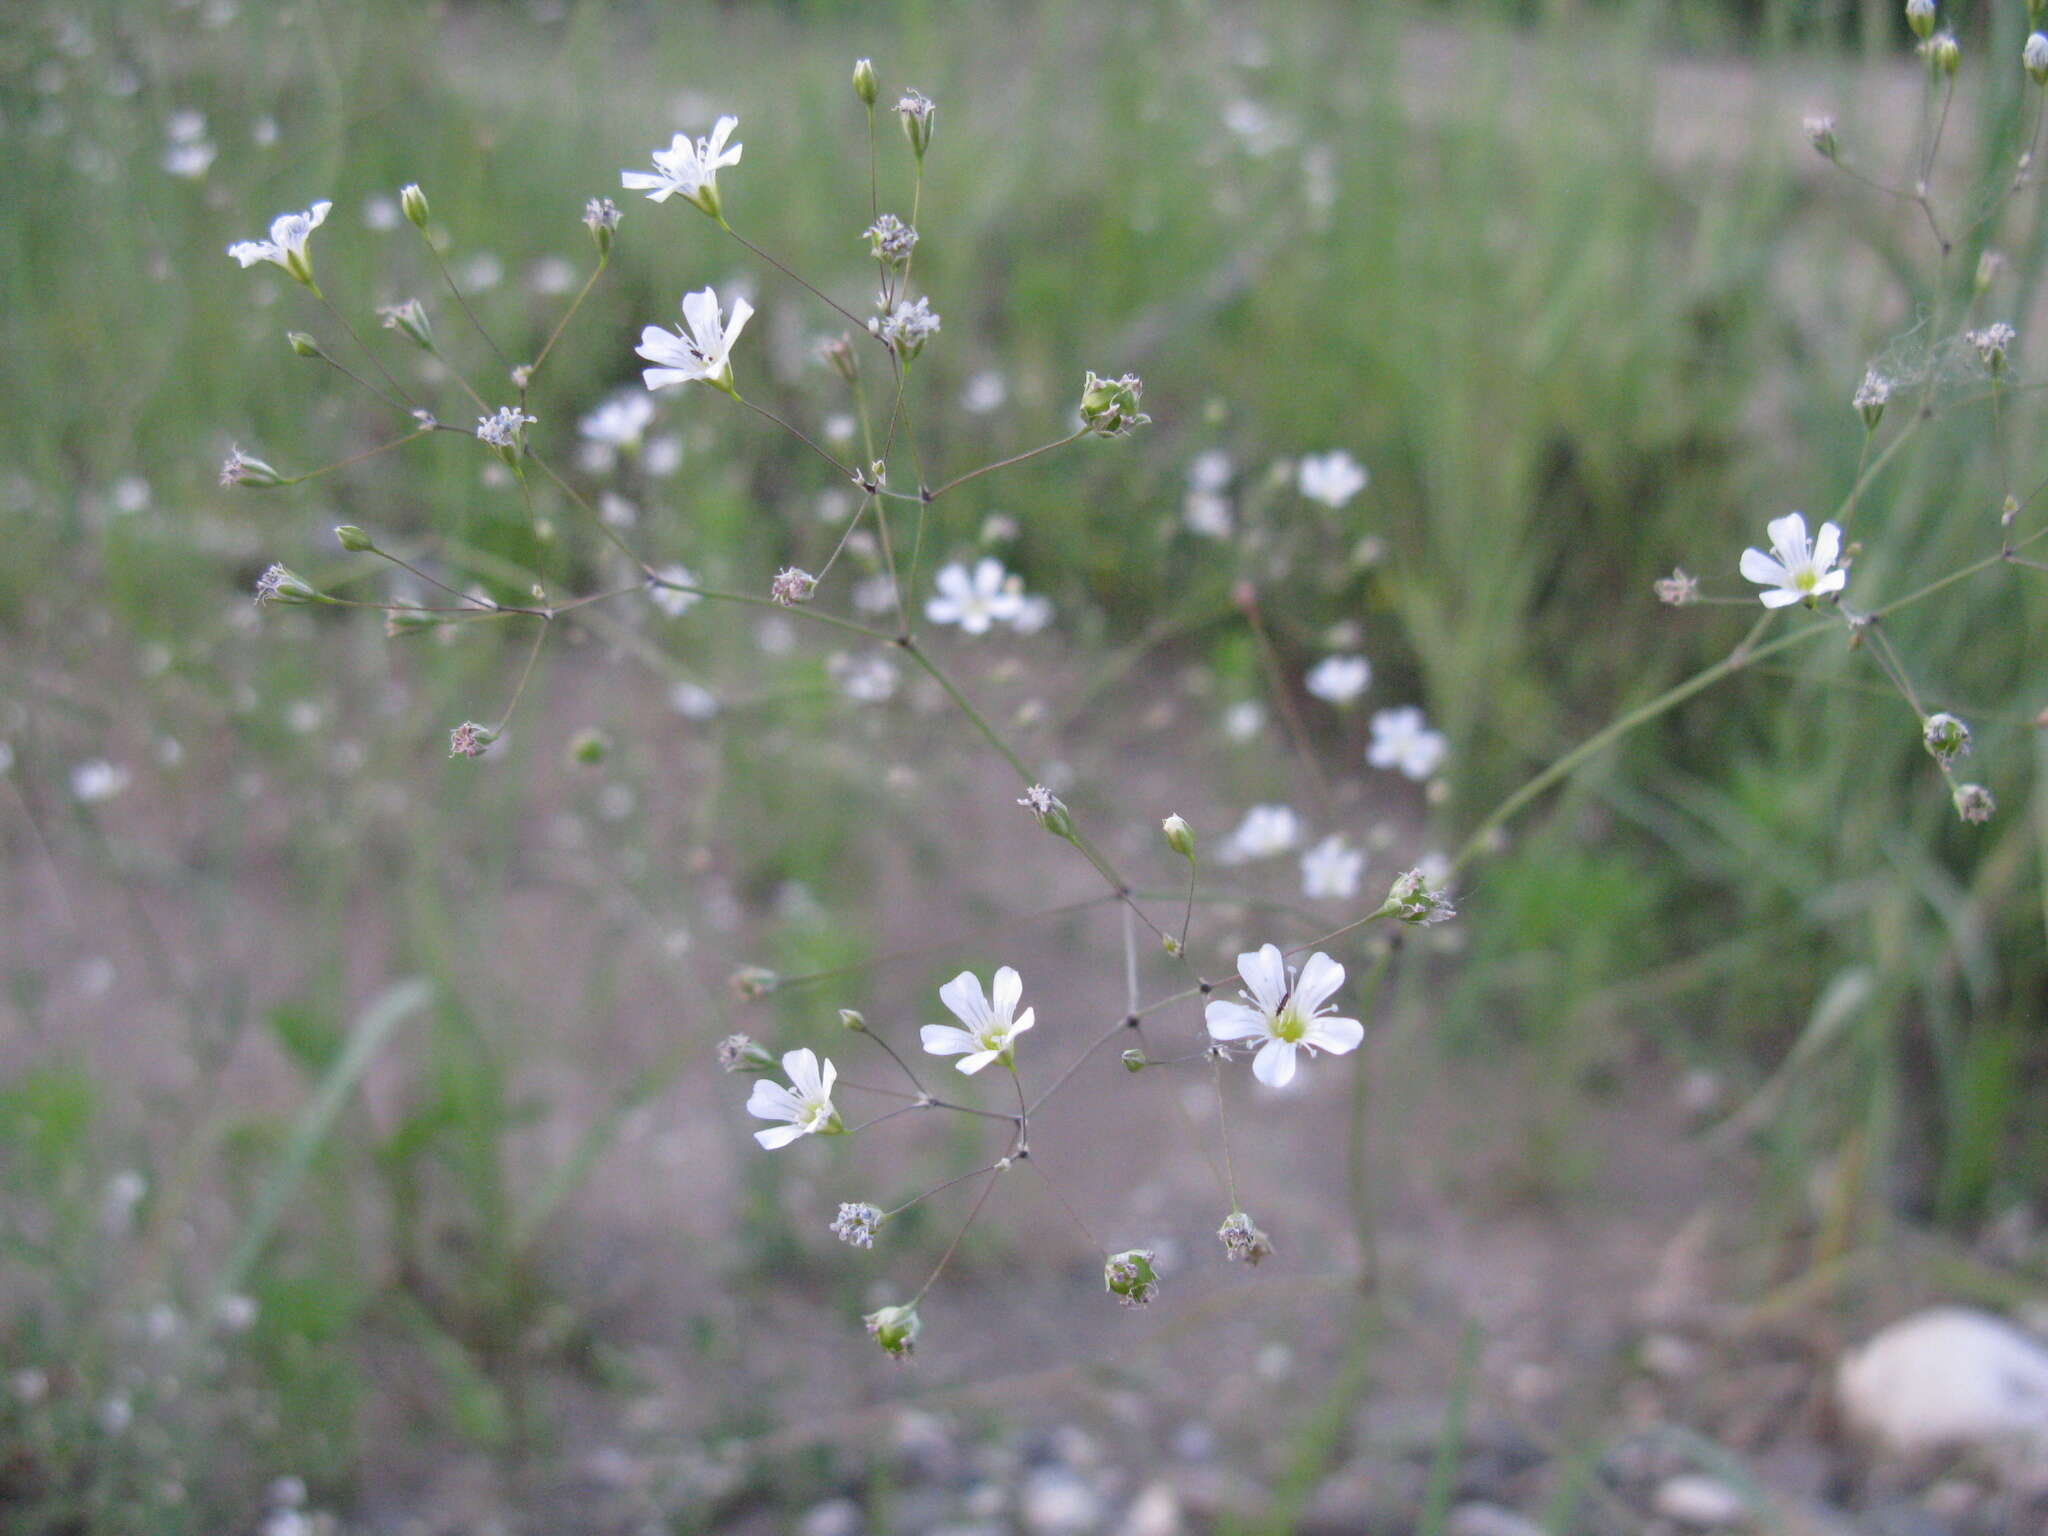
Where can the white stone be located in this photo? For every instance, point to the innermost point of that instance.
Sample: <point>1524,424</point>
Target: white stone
<point>1950,1379</point>
<point>1702,1502</point>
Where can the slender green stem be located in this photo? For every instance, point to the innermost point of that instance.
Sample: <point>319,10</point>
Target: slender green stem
<point>994,1173</point>
<point>357,458</point>
<point>799,280</point>
<point>463,303</point>
<point>1015,458</point>
<point>563,324</point>
<point>845,469</point>
<point>377,362</point>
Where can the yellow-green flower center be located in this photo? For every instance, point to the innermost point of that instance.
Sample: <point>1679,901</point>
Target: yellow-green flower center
<point>1289,1025</point>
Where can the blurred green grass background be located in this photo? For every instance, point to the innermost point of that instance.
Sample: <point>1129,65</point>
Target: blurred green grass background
<point>1573,346</point>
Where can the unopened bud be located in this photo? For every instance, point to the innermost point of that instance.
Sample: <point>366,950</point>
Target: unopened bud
<point>853,1019</point>
<point>1991,263</point>
<point>302,344</point>
<point>414,203</point>
<point>1820,133</point>
<point>1920,17</point>
<point>917,112</point>
<point>1946,52</point>
<point>589,748</point>
<point>753,982</point>
<point>1134,1061</point>
<point>1180,837</point>
<point>839,353</point>
<point>353,539</point>
<point>895,1329</point>
<point>409,320</point>
<point>864,84</point>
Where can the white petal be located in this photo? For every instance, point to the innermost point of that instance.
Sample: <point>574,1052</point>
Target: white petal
<point>1234,1021</point>
<point>973,1064</point>
<point>1779,597</point>
<point>1787,532</point>
<point>741,312</point>
<point>772,1101</point>
<point>1274,1065</point>
<point>963,999</point>
<point>1005,992</point>
<point>1834,581</point>
<point>825,1082</point>
<point>317,215</point>
<point>778,1136</point>
<point>1024,1021</point>
<point>1319,978</point>
<point>1763,570</point>
<point>1339,1037</point>
<point>945,1040</point>
<point>644,181</point>
<point>1265,976</point>
<point>700,313</point>
<point>661,378</point>
<point>802,1067</point>
<point>942,610</point>
<point>1827,546</point>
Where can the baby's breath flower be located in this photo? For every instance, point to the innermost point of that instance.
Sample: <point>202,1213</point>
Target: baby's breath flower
<point>1109,407</point>
<point>1678,589</point>
<point>1130,1277</point>
<point>975,601</point>
<point>601,218</point>
<point>891,240</point>
<point>1795,571</point>
<point>1974,803</point>
<point>1871,397</point>
<point>1820,133</point>
<point>1330,870</point>
<point>895,1329</point>
<point>1402,739</point>
<point>1242,1241</point>
<point>1332,478</point>
<point>917,112</point>
<point>1339,679</point>
<point>470,739</point>
<point>856,1223</point>
<point>906,327</point>
<point>1992,344</point>
<point>410,320</point>
<point>792,586</point>
<point>505,430</point>
<point>286,246</point>
<point>1284,1013</point>
<point>806,1104</point>
<point>412,202</point>
<point>688,168</point>
<point>1265,831</point>
<point>1415,902</point>
<point>1048,810</point>
<point>704,355</point>
<point>1946,737</point>
<point>1180,837</point>
<point>992,1023</point>
<point>742,1053</point>
<point>280,585</point>
<point>241,469</point>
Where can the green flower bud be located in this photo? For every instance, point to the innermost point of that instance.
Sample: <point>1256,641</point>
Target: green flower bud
<point>864,85</point>
<point>302,344</point>
<point>1920,17</point>
<point>853,1019</point>
<point>2034,58</point>
<point>1946,52</point>
<point>353,539</point>
<point>589,748</point>
<point>1180,837</point>
<point>409,320</point>
<point>1130,1278</point>
<point>1134,1061</point>
<point>895,1329</point>
<point>408,620</point>
<point>279,585</point>
<point>414,202</point>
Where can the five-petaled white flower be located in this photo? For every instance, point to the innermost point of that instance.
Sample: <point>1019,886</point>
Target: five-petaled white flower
<point>977,600</point>
<point>1330,870</point>
<point>1265,831</point>
<point>688,168</point>
<point>287,243</point>
<point>1332,478</point>
<point>619,420</point>
<point>992,1023</point>
<point>1339,679</point>
<point>704,356</point>
<point>1795,571</point>
<point>1286,1013</point>
<point>806,1104</point>
<point>1402,739</point>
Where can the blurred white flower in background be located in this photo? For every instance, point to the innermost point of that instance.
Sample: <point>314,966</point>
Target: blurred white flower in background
<point>1267,830</point>
<point>1402,740</point>
<point>1330,870</point>
<point>1332,478</point>
<point>1339,679</point>
<point>96,780</point>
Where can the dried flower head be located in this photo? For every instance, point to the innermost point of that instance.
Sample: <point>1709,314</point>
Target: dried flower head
<point>1678,589</point>
<point>1974,803</point>
<point>1871,397</point>
<point>743,1053</point>
<point>601,218</point>
<point>906,327</point>
<point>1109,407</point>
<point>1946,737</point>
<point>891,240</point>
<point>505,430</point>
<point>856,1223</point>
<point>895,1329</point>
<point>1130,1277</point>
<point>470,739</point>
<point>1048,810</point>
<point>1242,1241</point>
<point>792,586</point>
<point>916,111</point>
<point>240,469</point>
<point>280,585</point>
<point>1992,344</point>
<point>1413,901</point>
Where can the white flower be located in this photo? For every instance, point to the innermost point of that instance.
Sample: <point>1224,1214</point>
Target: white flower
<point>671,600</point>
<point>620,420</point>
<point>1244,720</point>
<point>689,169</point>
<point>1339,679</point>
<point>806,1104</point>
<point>97,780</point>
<point>1210,470</point>
<point>1286,1013</point>
<point>907,327</point>
<point>1206,514</point>
<point>1795,571</point>
<point>693,701</point>
<point>505,428</point>
<point>1265,831</point>
<point>974,601</point>
<point>287,243</point>
<point>705,354</point>
<point>1332,478</point>
<point>866,679</point>
<point>1402,740</point>
<point>992,1023</point>
<point>1330,870</point>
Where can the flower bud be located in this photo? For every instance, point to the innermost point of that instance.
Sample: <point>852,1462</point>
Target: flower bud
<point>407,620</point>
<point>1974,803</point>
<point>1991,263</point>
<point>743,1053</point>
<point>279,585</point>
<point>1049,811</point>
<point>853,1019</point>
<point>1946,52</point>
<point>1180,837</point>
<point>601,218</point>
<point>1109,407</point>
<point>864,84</point>
<point>240,469</point>
<point>917,112</point>
<point>302,344</point>
<point>1134,1060</point>
<point>2034,57</point>
<point>589,748</point>
<point>1920,17</point>
<point>1946,737</point>
<point>753,982</point>
<point>895,1329</point>
<point>414,203</point>
<point>353,539</point>
<point>1130,1278</point>
<point>1820,133</point>
<point>409,320</point>
<point>839,353</point>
